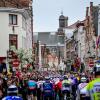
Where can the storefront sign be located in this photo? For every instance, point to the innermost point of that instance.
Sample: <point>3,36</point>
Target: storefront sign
<point>15,63</point>
<point>91,62</point>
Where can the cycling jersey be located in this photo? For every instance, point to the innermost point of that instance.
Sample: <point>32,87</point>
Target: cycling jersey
<point>66,85</point>
<point>47,86</point>
<point>84,91</point>
<point>82,88</point>
<point>73,81</point>
<point>48,89</point>
<point>40,83</point>
<point>93,89</point>
<point>32,84</point>
<point>58,85</point>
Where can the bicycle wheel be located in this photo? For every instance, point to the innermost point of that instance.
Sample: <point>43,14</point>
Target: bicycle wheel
<point>57,97</point>
<point>65,96</point>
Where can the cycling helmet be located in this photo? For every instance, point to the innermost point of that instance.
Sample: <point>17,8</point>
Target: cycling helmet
<point>47,78</point>
<point>83,80</point>
<point>65,77</point>
<point>97,68</point>
<point>83,75</point>
<point>61,78</point>
<point>12,89</point>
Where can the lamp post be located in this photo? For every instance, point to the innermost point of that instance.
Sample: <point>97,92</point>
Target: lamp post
<point>40,63</point>
<point>31,10</point>
<point>58,45</point>
<point>65,42</point>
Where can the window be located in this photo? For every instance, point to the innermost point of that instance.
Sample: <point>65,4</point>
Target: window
<point>13,19</point>
<point>13,40</point>
<point>61,39</point>
<point>62,23</point>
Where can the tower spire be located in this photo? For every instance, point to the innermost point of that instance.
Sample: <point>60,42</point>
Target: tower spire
<point>62,12</point>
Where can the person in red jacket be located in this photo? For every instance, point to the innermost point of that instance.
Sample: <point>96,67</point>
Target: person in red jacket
<point>57,88</point>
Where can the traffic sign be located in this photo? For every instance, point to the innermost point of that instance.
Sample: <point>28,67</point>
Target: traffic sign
<point>91,64</point>
<point>16,63</point>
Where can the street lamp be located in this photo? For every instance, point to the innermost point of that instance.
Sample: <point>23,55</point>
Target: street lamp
<point>58,45</point>
<point>39,54</point>
<point>31,9</point>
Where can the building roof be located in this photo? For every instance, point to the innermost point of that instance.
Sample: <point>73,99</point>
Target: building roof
<point>62,17</point>
<point>80,23</point>
<point>73,25</point>
<point>24,3</point>
<point>48,38</point>
<point>70,29</point>
<point>15,3</point>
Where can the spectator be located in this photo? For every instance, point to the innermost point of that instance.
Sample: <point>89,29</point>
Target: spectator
<point>1,69</point>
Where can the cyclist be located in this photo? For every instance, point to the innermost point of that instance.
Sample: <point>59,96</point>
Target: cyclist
<point>74,83</point>
<point>93,88</point>
<point>81,91</point>
<point>40,88</point>
<point>57,88</point>
<point>83,75</point>
<point>12,93</point>
<point>48,89</point>
<point>32,88</point>
<point>66,87</point>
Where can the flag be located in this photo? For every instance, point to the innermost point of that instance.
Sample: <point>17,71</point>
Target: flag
<point>98,42</point>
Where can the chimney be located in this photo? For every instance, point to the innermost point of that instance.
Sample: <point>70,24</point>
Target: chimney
<point>91,8</point>
<point>91,4</point>
<point>87,11</point>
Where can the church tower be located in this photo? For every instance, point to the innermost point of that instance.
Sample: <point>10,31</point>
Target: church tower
<point>63,21</point>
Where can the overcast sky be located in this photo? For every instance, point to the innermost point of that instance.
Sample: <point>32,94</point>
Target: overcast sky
<point>47,12</point>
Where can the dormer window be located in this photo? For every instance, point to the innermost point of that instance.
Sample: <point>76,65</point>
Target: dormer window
<point>13,19</point>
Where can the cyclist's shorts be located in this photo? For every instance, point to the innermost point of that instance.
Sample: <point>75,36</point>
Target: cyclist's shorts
<point>32,92</point>
<point>65,91</point>
<point>48,93</point>
<point>83,97</point>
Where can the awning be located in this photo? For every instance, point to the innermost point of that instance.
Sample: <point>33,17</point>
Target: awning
<point>2,58</point>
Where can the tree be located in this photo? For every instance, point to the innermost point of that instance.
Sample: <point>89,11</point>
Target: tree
<point>25,56</point>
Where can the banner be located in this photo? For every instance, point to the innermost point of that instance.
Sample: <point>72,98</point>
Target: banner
<point>98,42</point>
